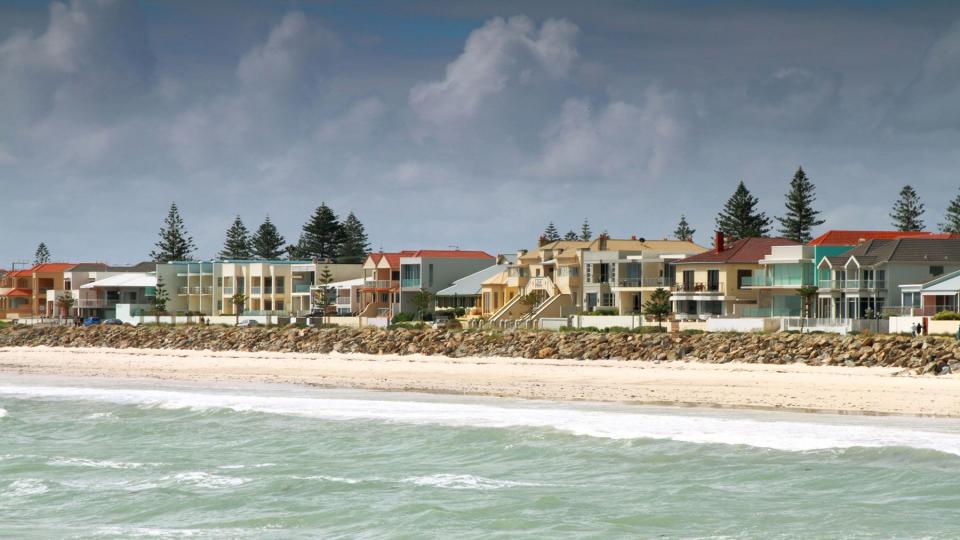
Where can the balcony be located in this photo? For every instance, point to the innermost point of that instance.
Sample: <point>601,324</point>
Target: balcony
<point>254,290</point>
<point>183,290</point>
<point>644,282</point>
<point>301,288</point>
<point>268,289</point>
<point>381,284</point>
<point>410,283</point>
<point>865,284</point>
<point>698,288</point>
<point>228,291</point>
<point>831,284</point>
<point>343,301</point>
<point>195,290</point>
<point>208,290</point>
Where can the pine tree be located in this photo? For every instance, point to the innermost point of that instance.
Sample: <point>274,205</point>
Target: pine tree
<point>801,218</point>
<point>174,244</point>
<point>237,244</point>
<point>551,234</point>
<point>951,223</point>
<point>354,244</point>
<point>571,236</point>
<point>739,217</point>
<point>907,211</point>
<point>585,233</point>
<point>321,235</point>
<point>267,244</point>
<point>683,230</point>
<point>42,255</point>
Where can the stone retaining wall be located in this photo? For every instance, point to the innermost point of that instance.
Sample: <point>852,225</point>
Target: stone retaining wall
<point>937,355</point>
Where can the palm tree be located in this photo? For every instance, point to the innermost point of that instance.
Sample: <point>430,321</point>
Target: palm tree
<point>807,293</point>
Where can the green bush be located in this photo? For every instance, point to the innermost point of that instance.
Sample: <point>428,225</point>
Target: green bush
<point>947,316</point>
<point>460,312</point>
<point>649,330</point>
<point>604,311</point>
<point>409,325</point>
<point>402,317</point>
<point>618,329</point>
<point>691,332</point>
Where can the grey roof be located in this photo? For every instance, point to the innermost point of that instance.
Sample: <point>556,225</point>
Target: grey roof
<point>470,285</point>
<point>906,250</point>
<point>145,266</point>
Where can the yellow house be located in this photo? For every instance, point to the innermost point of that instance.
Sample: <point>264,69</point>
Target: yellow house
<point>718,282</point>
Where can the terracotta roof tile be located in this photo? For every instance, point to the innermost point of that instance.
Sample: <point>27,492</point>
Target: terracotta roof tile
<point>852,238</point>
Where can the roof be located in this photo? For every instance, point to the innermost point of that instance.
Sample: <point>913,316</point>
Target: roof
<point>52,267</point>
<point>906,250</point>
<point>470,285</point>
<point>451,254</point>
<point>20,273</point>
<point>745,250</point>
<point>949,283</point>
<point>852,238</point>
<point>18,292</point>
<point>346,283</point>
<point>88,267</point>
<point>145,266</point>
<point>497,279</point>
<point>126,279</point>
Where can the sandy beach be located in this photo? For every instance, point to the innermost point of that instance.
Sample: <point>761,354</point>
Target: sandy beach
<point>801,387</point>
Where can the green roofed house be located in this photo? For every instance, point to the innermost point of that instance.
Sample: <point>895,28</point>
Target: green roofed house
<point>787,268</point>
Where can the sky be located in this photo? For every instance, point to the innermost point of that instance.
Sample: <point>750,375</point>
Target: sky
<point>460,123</point>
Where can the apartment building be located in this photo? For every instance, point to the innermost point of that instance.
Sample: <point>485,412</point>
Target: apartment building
<point>279,288</point>
<point>466,292</point>
<point>718,283</point>
<point>16,294</point>
<point>928,299</point>
<point>867,279</point>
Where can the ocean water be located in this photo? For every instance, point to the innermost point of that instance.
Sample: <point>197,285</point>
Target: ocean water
<point>82,459</point>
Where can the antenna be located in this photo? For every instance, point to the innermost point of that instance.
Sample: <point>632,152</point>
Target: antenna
<point>453,247</point>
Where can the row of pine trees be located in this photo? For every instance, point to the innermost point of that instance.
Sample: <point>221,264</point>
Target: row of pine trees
<point>740,217</point>
<point>323,237</point>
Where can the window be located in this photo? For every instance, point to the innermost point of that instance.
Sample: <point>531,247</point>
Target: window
<point>279,306</point>
<point>607,299</point>
<point>713,280</point>
<point>591,301</point>
<point>936,270</point>
<point>589,273</point>
<point>688,280</point>
<point>743,274</point>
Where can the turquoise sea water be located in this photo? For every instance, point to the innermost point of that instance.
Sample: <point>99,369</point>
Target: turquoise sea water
<point>124,459</point>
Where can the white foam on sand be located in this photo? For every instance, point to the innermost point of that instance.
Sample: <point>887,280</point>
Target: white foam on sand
<point>693,428</point>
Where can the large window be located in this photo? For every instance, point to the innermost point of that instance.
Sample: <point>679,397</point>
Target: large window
<point>713,280</point>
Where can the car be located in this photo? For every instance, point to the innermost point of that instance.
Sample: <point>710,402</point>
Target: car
<point>91,321</point>
<point>445,321</point>
<point>112,322</point>
<point>247,323</point>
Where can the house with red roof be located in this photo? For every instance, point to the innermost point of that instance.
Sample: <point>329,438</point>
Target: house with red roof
<point>716,283</point>
<point>23,293</point>
<point>392,280</point>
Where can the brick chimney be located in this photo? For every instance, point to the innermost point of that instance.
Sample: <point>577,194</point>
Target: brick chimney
<point>718,242</point>
<point>542,241</point>
<point>603,242</point>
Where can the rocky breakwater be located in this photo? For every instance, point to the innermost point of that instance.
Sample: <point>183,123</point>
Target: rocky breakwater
<point>928,355</point>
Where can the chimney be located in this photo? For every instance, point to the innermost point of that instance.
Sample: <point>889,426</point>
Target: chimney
<point>603,242</point>
<point>633,237</point>
<point>718,242</point>
<point>542,241</point>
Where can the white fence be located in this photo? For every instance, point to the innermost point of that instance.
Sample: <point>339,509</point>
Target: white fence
<point>746,324</point>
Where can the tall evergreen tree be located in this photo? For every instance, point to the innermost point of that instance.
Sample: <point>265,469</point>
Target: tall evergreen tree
<point>585,233</point>
<point>801,218</point>
<point>739,217</point>
<point>683,230</point>
<point>321,235</point>
<point>951,222</point>
<point>354,244</point>
<point>908,210</point>
<point>237,244</point>
<point>551,234</point>
<point>42,255</point>
<point>267,243</point>
<point>571,236</point>
<point>174,244</point>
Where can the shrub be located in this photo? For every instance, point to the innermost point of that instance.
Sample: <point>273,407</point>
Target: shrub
<point>649,330</point>
<point>460,312</point>
<point>409,325</point>
<point>618,329</point>
<point>691,332</point>
<point>604,311</point>
<point>402,317</point>
<point>947,316</point>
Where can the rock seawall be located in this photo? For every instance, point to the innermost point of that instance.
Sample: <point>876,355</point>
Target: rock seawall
<point>935,355</point>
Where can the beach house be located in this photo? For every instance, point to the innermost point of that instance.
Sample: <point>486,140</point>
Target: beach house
<point>866,279</point>
<point>393,281</point>
<point>278,288</point>
<point>466,292</point>
<point>718,282</point>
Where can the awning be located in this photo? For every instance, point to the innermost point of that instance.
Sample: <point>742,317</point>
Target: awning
<point>23,293</point>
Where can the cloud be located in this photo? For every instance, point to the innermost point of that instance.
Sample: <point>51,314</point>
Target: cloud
<point>502,52</point>
<point>795,96</point>
<point>356,124</point>
<point>929,102</point>
<point>619,140</point>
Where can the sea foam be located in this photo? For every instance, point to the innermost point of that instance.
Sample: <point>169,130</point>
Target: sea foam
<point>686,427</point>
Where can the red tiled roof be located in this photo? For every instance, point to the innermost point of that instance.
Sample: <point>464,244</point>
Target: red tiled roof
<point>18,292</point>
<point>20,273</point>
<point>53,267</point>
<point>452,254</point>
<point>745,250</point>
<point>852,238</point>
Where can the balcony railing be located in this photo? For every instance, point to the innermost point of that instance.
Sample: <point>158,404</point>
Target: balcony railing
<point>645,282</point>
<point>268,289</point>
<point>195,290</point>
<point>868,284</point>
<point>183,290</point>
<point>301,288</point>
<point>410,283</point>
<point>343,301</point>
<point>254,290</point>
<point>698,287</point>
<point>381,283</point>
<point>831,284</point>
<point>228,291</point>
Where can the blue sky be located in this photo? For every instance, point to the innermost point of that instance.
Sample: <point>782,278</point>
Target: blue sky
<point>463,123</point>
